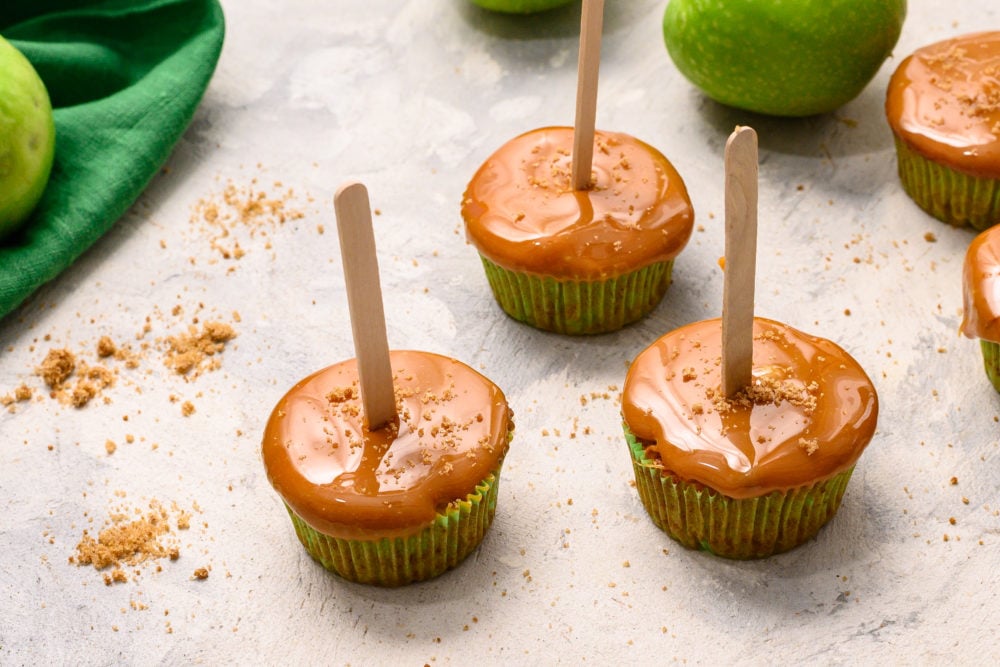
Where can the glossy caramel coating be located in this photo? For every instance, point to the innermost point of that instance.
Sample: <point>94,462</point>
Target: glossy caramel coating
<point>810,412</point>
<point>522,213</point>
<point>943,101</point>
<point>981,287</point>
<point>350,482</point>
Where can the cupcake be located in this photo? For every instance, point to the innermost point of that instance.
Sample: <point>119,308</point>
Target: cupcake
<point>757,473</point>
<point>943,105</point>
<point>981,292</point>
<point>577,261</point>
<point>402,503</point>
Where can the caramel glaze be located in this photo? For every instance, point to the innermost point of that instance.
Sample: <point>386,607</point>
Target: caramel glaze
<point>808,415</point>
<point>981,287</point>
<point>351,482</point>
<point>522,213</point>
<point>943,101</point>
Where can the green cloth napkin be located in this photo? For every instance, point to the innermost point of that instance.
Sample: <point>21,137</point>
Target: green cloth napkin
<point>125,77</point>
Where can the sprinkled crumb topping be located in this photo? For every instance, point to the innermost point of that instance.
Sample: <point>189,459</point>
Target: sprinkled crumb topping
<point>437,433</point>
<point>954,72</point>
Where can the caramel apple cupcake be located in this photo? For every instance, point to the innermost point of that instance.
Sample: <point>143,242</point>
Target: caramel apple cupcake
<point>943,106</point>
<point>402,503</point>
<point>981,296</point>
<point>577,261</point>
<point>758,473</point>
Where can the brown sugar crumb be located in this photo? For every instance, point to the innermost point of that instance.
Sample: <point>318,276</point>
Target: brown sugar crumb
<point>187,408</point>
<point>110,447</point>
<point>194,352</point>
<point>56,368</point>
<point>809,445</point>
<point>953,481</point>
<point>82,394</point>
<point>200,574</point>
<point>340,395</point>
<point>930,237</point>
<point>130,537</point>
<point>106,347</point>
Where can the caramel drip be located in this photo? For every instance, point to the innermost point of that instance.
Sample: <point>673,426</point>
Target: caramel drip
<point>346,481</point>
<point>944,102</point>
<point>807,416</point>
<point>521,210</point>
<point>981,287</point>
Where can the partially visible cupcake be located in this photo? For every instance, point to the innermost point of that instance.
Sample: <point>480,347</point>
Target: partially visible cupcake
<point>403,503</point>
<point>758,473</point>
<point>943,105</point>
<point>981,294</point>
<point>577,261</point>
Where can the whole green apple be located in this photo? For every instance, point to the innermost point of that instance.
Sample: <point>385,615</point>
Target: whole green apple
<point>27,138</point>
<point>520,6</point>
<point>782,57</point>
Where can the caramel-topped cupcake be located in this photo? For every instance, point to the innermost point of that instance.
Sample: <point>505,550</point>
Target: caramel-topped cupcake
<point>943,106</point>
<point>401,503</point>
<point>577,261</point>
<point>757,473</point>
<point>981,294</point>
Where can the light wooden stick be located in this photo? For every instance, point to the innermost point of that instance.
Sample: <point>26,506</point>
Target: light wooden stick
<point>741,260</point>
<point>586,92</point>
<point>364,299</point>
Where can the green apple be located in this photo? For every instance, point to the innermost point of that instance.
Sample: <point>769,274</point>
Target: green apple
<point>782,57</point>
<point>520,6</point>
<point>27,138</point>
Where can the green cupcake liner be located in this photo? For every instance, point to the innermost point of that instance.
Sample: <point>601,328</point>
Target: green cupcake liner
<point>948,195</point>
<point>578,307</point>
<point>700,518</point>
<point>442,545</point>
<point>991,361</point>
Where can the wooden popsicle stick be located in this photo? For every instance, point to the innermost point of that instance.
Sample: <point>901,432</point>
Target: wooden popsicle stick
<point>591,25</point>
<point>741,260</point>
<point>364,299</point>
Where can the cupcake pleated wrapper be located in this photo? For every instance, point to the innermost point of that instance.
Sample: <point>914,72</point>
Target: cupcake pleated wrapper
<point>739,528</point>
<point>578,307</point>
<point>949,195</point>
<point>991,361</point>
<point>441,545</point>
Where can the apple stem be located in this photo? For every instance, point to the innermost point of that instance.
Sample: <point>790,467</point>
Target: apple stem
<point>364,299</point>
<point>591,23</point>
<point>740,260</point>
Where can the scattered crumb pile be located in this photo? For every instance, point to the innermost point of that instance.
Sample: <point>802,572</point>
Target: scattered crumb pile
<point>241,214</point>
<point>192,353</point>
<point>77,376</point>
<point>73,380</point>
<point>132,537</point>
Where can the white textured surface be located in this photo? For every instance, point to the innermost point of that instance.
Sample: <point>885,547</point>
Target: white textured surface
<point>410,97</point>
